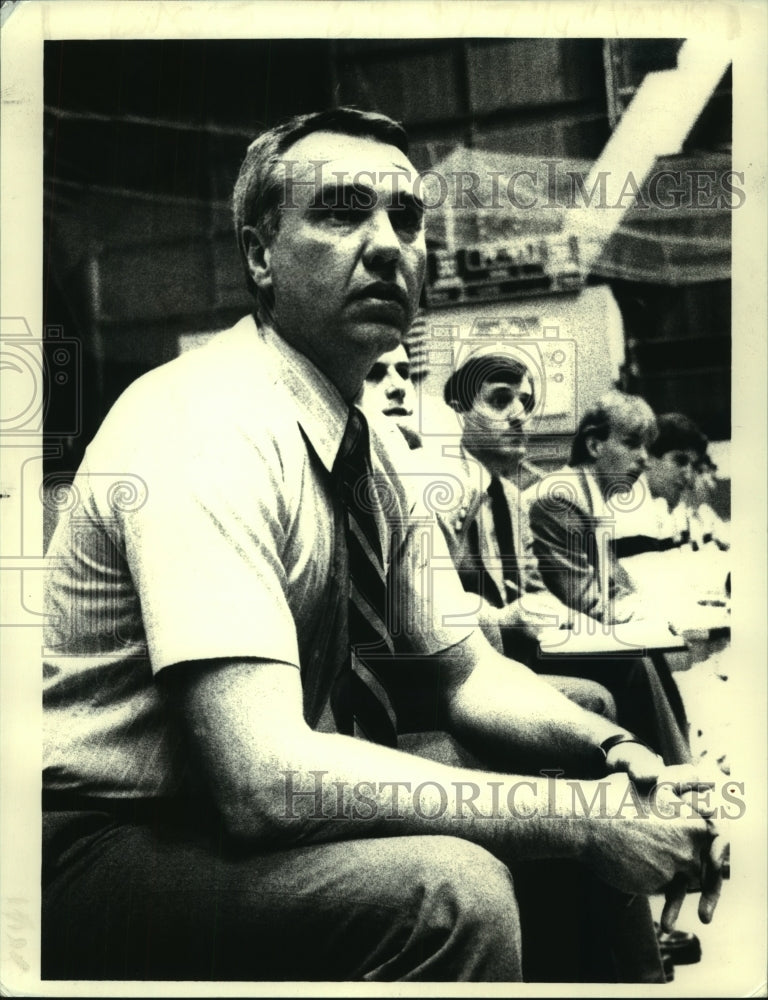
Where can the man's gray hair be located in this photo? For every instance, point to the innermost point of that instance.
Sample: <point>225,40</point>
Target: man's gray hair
<point>260,188</point>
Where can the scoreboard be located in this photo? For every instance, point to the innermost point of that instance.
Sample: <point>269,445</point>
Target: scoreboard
<point>535,265</point>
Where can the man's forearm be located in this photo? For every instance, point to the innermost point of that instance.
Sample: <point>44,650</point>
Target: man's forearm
<point>505,707</point>
<point>278,783</point>
<point>353,789</point>
<point>262,763</point>
<point>491,619</point>
<point>356,789</point>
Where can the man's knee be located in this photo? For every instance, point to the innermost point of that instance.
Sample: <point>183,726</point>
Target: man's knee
<point>588,694</point>
<point>468,909</point>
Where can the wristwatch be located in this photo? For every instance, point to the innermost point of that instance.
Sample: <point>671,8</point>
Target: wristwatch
<point>613,741</point>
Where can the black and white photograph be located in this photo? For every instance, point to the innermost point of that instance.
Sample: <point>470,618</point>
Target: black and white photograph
<point>383,499</point>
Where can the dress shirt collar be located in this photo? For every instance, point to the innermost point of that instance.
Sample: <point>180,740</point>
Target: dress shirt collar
<point>595,494</point>
<point>469,461</point>
<point>321,412</point>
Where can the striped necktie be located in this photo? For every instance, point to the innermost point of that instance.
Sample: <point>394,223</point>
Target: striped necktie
<point>360,701</point>
<point>502,523</point>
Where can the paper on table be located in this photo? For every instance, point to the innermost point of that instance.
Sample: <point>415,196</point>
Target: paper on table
<point>629,638</point>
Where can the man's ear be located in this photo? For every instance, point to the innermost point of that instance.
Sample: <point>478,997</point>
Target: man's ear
<point>258,257</point>
<point>594,446</point>
<point>455,405</point>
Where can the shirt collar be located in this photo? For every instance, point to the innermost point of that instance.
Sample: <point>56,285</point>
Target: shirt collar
<point>595,494</point>
<point>484,474</point>
<point>321,412</point>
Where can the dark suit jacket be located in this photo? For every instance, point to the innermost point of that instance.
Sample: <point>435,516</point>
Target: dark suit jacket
<point>479,559</point>
<point>573,541</point>
<point>474,546</point>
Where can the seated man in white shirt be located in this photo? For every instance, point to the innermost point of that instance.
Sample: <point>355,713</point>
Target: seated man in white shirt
<point>222,796</point>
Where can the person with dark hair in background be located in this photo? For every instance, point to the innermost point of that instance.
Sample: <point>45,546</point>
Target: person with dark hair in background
<point>674,454</point>
<point>223,795</point>
<point>671,547</point>
<point>659,522</point>
<point>388,390</point>
<point>661,542</point>
<point>706,526</point>
<point>484,521</point>
<point>494,395</point>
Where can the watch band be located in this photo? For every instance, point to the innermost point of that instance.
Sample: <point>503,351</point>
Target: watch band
<point>613,741</point>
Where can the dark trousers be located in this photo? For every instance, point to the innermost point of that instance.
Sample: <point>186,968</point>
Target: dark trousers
<point>587,691</point>
<point>646,697</point>
<point>160,895</point>
<point>156,900</point>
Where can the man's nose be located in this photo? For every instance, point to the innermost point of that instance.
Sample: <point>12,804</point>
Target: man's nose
<point>517,416</point>
<point>395,388</point>
<point>383,243</point>
<point>642,456</point>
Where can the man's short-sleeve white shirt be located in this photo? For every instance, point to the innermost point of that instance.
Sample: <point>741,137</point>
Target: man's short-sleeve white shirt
<point>202,527</point>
